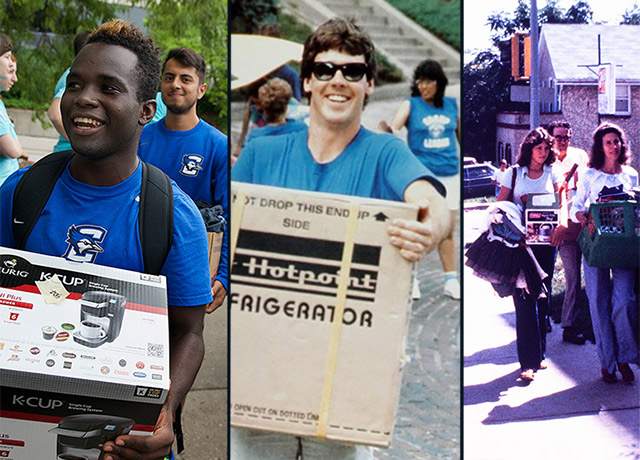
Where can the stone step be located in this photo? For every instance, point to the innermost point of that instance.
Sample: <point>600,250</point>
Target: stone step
<point>403,51</point>
<point>350,8</point>
<point>377,29</point>
<point>389,40</point>
<point>371,21</point>
<point>403,42</point>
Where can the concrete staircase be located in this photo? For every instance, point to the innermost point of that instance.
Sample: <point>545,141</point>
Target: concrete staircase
<point>398,38</point>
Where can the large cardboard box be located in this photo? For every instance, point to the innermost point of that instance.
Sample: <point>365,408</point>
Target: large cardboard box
<point>92,364</point>
<point>215,249</point>
<point>299,258</point>
<point>542,216</point>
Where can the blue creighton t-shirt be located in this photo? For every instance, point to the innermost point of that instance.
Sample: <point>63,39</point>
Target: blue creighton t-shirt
<point>197,160</point>
<point>372,165</point>
<point>90,224</point>
<point>432,135</point>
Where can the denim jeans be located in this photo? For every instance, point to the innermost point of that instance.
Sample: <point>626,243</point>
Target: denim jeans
<point>571,259</point>
<point>531,314</point>
<point>613,314</point>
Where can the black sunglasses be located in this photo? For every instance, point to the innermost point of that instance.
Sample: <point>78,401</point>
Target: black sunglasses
<point>325,71</point>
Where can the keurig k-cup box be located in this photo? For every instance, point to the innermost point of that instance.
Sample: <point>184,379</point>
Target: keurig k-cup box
<point>84,355</point>
<point>542,216</point>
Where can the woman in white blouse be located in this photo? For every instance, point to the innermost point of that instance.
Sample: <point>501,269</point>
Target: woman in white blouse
<point>610,291</point>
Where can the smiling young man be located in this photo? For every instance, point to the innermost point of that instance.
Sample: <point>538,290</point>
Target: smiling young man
<point>109,97</point>
<point>337,155</point>
<point>188,149</point>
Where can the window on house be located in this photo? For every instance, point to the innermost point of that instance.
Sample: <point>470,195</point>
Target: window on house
<point>623,105</point>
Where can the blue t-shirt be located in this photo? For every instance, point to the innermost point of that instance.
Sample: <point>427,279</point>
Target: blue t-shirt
<point>290,126</point>
<point>161,109</point>
<point>289,75</point>
<point>85,223</point>
<point>372,165</point>
<point>61,85</point>
<point>432,135</point>
<point>7,165</point>
<point>197,160</point>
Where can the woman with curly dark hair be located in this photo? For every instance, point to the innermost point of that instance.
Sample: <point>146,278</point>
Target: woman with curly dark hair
<point>610,291</point>
<point>534,173</point>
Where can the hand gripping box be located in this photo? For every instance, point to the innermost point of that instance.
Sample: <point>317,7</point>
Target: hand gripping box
<point>542,216</point>
<point>320,307</point>
<point>84,355</point>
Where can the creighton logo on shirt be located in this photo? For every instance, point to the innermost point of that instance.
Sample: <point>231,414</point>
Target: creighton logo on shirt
<point>191,164</point>
<point>83,243</point>
<point>436,125</point>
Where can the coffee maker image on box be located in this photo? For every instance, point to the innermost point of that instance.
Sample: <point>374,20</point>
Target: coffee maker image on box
<point>81,437</point>
<point>101,315</point>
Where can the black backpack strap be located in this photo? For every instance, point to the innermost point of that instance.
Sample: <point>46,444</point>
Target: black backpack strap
<point>155,218</point>
<point>33,191</point>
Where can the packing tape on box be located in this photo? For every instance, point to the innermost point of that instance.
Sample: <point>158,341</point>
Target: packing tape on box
<point>236,219</point>
<point>336,328</point>
<point>341,299</point>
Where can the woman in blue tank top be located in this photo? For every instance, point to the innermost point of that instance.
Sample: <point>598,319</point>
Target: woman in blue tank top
<point>433,135</point>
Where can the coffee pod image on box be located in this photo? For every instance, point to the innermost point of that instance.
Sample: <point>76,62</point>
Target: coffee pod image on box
<point>48,332</point>
<point>82,436</point>
<point>101,315</point>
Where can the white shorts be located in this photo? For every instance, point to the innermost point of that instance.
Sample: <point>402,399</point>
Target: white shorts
<point>452,184</point>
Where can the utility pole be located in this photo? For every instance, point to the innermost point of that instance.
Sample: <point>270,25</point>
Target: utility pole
<point>534,82</point>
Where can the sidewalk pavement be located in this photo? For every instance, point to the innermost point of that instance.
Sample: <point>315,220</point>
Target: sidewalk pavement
<point>204,417</point>
<point>37,147</point>
<point>567,412</point>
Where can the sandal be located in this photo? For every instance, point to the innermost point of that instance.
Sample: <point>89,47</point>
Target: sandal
<point>627,373</point>
<point>609,377</point>
<point>527,375</point>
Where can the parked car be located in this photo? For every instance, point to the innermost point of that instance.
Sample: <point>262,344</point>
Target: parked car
<point>476,180</point>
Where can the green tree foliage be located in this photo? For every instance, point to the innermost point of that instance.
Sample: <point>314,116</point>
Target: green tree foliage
<point>42,33</point>
<point>202,26</point>
<point>631,16</point>
<point>486,91</point>
<point>487,80</point>
<point>504,26</point>
<point>440,17</point>
<point>248,15</point>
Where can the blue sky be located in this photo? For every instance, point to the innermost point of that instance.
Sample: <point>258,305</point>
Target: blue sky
<point>477,33</point>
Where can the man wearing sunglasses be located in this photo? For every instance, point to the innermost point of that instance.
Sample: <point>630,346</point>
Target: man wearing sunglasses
<point>569,250</point>
<point>337,155</point>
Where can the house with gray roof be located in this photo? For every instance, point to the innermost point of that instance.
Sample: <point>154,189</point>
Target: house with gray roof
<point>569,55</point>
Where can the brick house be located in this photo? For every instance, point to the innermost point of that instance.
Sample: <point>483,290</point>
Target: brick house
<point>564,52</point>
